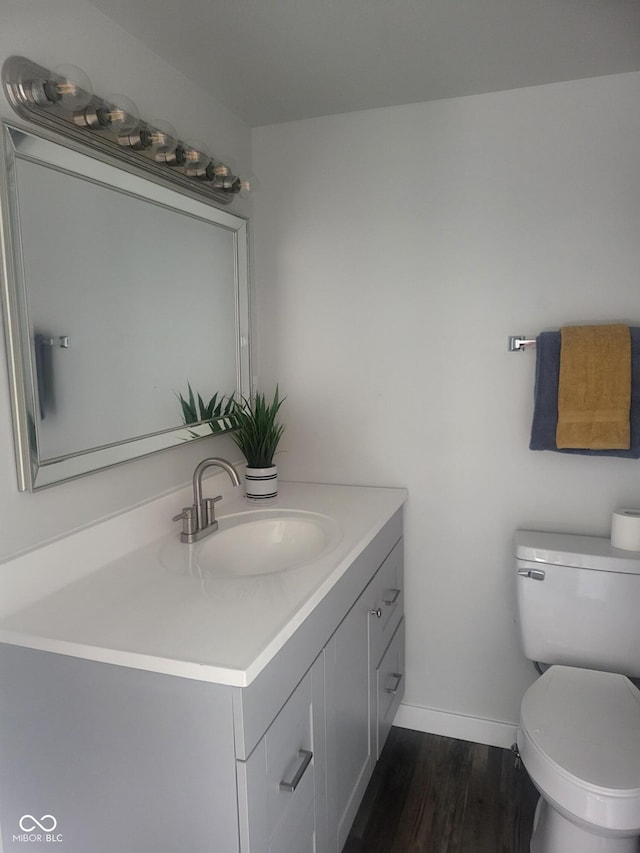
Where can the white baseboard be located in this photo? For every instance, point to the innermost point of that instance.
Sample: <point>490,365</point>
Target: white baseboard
<point>475,729</point>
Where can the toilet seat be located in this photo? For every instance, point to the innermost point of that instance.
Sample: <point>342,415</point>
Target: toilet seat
<point>579,739</point>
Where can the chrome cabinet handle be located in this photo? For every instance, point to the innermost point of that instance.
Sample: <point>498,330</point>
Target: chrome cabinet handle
<point>377,611</point>
<point>306,757</point>
<point>392,596</point>
<point>393,690</point>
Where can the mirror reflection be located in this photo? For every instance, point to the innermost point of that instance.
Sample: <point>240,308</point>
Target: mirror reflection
<point>123,295</point>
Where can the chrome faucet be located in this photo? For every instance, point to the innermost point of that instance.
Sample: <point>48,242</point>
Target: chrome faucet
<point>199,520</point>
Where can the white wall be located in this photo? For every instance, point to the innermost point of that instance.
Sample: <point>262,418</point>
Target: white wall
<point>396,250</point>
<point>73,31</point>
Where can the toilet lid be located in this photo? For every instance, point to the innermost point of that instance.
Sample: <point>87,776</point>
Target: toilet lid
<point>588,724</point>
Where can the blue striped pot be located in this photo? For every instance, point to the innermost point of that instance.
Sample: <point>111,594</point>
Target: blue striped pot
<point>261,484</point>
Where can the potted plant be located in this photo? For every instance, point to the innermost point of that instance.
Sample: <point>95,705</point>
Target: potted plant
<point>257,434</point>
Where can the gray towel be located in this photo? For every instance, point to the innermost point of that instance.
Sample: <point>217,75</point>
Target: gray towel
<point>545,410</point>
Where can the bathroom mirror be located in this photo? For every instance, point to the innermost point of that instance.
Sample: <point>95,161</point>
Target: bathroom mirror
<point>121,293</point>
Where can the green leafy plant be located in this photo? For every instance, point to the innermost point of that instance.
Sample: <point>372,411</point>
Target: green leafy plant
<point>258,432</point>
<point>218,411</point>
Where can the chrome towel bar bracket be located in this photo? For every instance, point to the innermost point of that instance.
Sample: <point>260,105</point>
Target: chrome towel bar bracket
<point>518,343</point>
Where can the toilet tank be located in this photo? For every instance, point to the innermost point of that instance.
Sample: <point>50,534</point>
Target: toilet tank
<point>578,601</point>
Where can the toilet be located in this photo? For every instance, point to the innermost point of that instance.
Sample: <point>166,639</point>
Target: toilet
<point>579,732</point>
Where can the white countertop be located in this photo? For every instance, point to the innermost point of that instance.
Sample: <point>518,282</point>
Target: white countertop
<point>153,608</point>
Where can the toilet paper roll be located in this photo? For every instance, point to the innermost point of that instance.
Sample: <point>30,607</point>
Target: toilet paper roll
<point>625,529</point>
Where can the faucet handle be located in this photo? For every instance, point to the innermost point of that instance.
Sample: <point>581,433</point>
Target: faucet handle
<point>188,516</point>
<point>209,509</point>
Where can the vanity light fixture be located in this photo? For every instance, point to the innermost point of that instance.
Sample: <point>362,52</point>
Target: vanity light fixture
<point>62,100</point>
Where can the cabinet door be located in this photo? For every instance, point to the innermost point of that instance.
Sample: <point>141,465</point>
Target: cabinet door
<point>349,759</point>
<point>297,835</point>
<point>282,785</point>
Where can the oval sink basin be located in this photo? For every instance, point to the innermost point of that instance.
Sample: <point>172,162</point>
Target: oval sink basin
<point>267,541</point>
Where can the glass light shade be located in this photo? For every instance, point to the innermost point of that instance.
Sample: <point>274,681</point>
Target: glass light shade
<point>70,87</point>
<point>197,158</point>
<point>214,171</point>
<point>229,183</point>
<point>219,168</point>
<point>122,114</point>
<point>248,183</point>
<point>164,140</point>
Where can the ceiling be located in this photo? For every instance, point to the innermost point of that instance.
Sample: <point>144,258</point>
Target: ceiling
<point>277,60</point>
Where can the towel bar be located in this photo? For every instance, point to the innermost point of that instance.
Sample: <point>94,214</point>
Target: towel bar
<point>518,343</point>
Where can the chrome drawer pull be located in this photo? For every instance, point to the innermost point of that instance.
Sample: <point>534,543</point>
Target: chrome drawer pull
<point>377,611</point>
<point>394,690</point>
<point>392,596</point>
<point>306,757</point>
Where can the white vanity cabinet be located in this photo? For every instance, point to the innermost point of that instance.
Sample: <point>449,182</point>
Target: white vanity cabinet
<point>351,691</point>
<point>130,760</point>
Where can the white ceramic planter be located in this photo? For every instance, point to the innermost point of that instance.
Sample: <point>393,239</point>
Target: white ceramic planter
<point>261,484</point>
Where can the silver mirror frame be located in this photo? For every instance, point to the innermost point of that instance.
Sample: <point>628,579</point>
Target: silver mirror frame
<point>32,472</point>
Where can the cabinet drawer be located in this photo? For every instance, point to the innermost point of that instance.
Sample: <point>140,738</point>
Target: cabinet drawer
<point>389,686</point>
<point>388,602</point>
<point>276,783</point>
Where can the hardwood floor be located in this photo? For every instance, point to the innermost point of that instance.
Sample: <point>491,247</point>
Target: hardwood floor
<point>431,794</point>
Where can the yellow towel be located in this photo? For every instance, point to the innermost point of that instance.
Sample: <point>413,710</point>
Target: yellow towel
<point>594,390</point>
